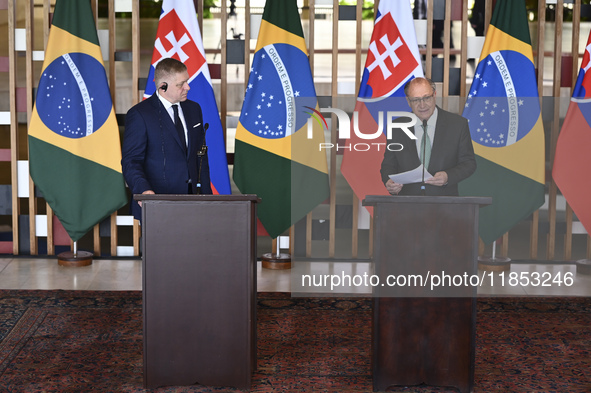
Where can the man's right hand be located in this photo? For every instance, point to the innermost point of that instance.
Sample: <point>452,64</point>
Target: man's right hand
<point>146,192</point>
<point>393,187</point>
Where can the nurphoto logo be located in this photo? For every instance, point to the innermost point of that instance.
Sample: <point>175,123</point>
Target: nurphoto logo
<point>394,119</point>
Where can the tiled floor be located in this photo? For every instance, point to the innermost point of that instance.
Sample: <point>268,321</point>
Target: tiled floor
<point>114,275</point>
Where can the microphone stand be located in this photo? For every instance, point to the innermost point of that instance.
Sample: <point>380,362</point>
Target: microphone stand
<point>200,154</point>
<point>423,190</point>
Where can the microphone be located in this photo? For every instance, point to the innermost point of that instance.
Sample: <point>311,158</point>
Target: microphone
<point>203,149</point>
<point>164,86</point>
<point>200,154</point>
<point>423,190</point>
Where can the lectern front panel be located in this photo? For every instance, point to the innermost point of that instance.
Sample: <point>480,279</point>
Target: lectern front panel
<point>199,293</point>
<point>422,333</point>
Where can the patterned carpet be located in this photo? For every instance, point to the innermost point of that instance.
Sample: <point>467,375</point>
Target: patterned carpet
<point>66,341</point>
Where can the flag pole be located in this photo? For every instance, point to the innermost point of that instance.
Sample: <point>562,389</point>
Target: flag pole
<point>583,266</point>
<point>494,263</point>
<point>74,258</point>
<point>276,260</point>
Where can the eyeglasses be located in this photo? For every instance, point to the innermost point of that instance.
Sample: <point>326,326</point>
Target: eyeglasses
<point>425,99</point>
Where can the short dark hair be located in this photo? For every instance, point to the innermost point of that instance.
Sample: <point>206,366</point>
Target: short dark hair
<point>419,80</point>
<point>167,67</point>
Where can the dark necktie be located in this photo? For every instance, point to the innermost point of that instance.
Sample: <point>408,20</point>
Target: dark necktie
<point>179,126</point>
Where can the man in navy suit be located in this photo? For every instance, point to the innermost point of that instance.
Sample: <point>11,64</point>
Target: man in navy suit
<point>164,148</point>
<point>447,144</point>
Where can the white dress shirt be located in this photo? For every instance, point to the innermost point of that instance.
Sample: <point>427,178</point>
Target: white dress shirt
<point>168,107</point>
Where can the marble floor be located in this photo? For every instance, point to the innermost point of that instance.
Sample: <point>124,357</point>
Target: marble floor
<point>344,277</point>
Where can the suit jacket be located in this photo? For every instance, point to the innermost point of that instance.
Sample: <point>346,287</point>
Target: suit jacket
<point>452,152</point>
<point>153,157</point>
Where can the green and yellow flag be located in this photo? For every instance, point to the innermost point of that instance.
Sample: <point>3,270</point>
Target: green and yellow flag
<point>278,154</point>
<point>74,145</point>
<point>503,111</point>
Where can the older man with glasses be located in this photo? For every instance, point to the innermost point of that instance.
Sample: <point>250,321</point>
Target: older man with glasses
<point>445,149</point>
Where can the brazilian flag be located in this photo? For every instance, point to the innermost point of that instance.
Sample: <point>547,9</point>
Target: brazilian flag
<point>74,145</point>
<point>503,110</point>
<point>277,153</point>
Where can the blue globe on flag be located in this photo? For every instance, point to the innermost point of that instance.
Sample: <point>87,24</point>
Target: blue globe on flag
<point>272,98</point>
<point>502,109</point>
<point>73,99</point>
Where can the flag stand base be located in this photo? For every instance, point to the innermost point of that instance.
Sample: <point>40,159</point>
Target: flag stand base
<point>67,258</point>
<point>495,264</point>
<point>276,261</point>
<point>583,266</point>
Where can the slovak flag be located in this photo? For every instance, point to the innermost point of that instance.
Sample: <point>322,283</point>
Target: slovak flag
<point>392,60</point>
<point>178,36</point>
<point>572,159</point>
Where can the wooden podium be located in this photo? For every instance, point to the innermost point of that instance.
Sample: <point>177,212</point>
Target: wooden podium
<point>199,289</point>
<point>423,335</point>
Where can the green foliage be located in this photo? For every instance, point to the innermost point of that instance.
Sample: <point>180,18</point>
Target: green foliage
<point>367,12</point>
<point>532,8</point>
<point>150,9</point>
<point>207,4</point>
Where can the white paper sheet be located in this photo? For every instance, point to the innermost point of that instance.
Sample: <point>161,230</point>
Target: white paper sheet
<point>412,176</point>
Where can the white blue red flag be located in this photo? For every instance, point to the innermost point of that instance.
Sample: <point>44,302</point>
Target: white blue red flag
<point>392,60</point>
<point>178,36</point>
<point>572,159</point>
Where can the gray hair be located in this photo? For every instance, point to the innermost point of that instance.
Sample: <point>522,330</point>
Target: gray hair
<point>419,80</point>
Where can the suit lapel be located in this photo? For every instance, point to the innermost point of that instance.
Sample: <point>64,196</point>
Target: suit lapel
<point>191,129</point>
<point>413,154</point>
<point>438,141</point>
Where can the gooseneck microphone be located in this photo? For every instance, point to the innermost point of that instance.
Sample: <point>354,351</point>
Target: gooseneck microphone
<point>423,190</point>
<point>200,154</point>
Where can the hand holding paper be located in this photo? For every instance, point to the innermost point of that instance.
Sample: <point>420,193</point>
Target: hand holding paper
<point>412,176</point>
<point>439,179</point>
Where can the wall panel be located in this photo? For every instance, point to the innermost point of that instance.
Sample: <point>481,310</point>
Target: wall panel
<point>338,39</point>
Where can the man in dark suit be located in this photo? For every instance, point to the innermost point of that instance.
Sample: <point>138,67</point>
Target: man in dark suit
<point>164,142</point>
<point>449,154</point>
